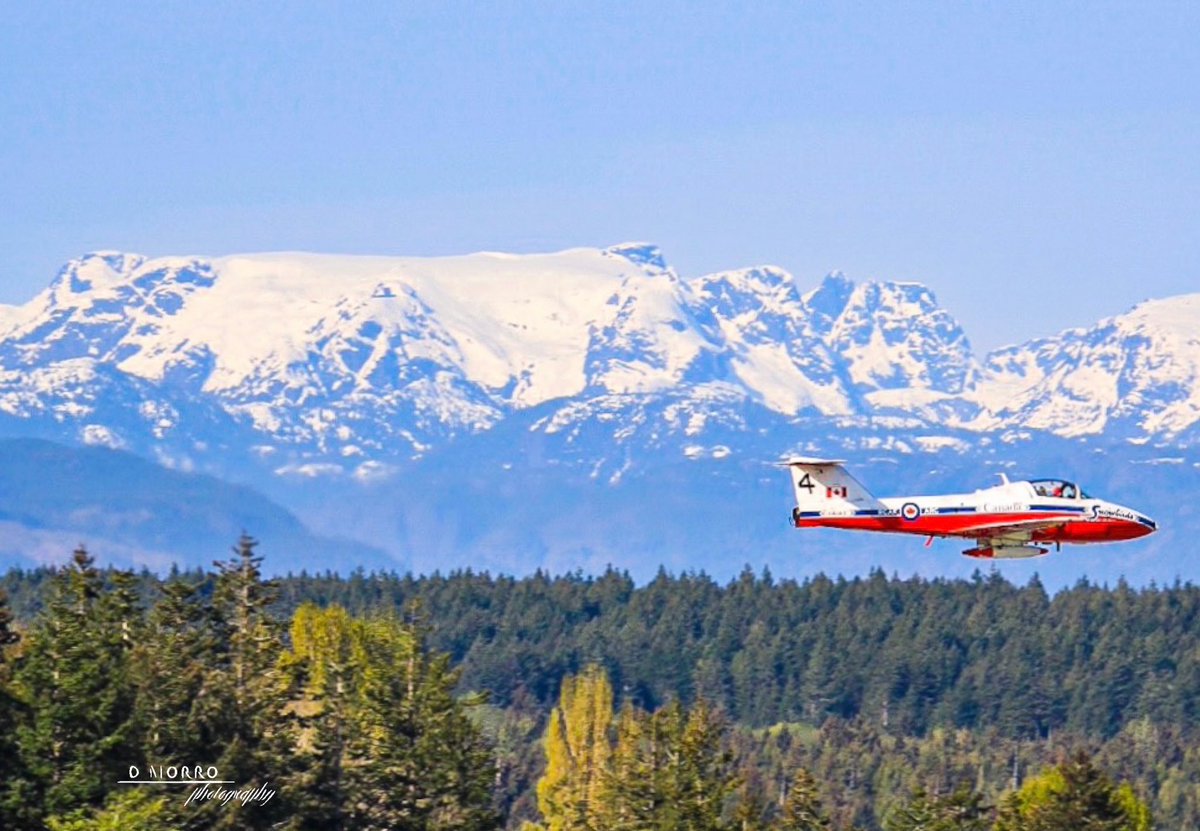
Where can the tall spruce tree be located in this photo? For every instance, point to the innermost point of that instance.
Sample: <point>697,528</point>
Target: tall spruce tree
<point>753,806</point>
<point>322,670</point>
<point>172,664</point>
<point>802,808</point>
<point>702,777</point>
<point>243,600</point>
<point>124,810</point>
<point>667,770</point>
<point>636,793</point>
<point>414,761</point>
<point>961,810</point>
<point>13,779</point>
<point>245,701</point>
<point>77,741</point>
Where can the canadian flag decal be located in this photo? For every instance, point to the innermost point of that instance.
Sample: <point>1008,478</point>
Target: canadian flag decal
<point>842,491</point>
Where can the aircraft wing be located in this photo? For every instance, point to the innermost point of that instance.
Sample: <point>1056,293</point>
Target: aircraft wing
<point>1020,529</point>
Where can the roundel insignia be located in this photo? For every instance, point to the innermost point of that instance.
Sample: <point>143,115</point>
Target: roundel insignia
<point>910,511</point>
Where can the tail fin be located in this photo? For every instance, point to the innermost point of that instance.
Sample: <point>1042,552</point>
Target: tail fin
<point>825,485</point>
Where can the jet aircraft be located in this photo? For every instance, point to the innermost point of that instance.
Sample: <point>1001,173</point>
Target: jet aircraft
<point>1012,520</point>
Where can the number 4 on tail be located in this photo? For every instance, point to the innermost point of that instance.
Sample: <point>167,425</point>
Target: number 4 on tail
<point>805,482</point>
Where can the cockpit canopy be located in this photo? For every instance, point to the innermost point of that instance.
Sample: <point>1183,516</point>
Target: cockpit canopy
<point>1057,487</point>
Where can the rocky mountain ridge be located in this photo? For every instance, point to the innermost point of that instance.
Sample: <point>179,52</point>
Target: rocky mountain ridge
<point>357,365</point>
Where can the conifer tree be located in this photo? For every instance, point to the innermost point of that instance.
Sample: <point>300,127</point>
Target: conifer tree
<point>752,806</point>
<point>413,759</point>
<point>703,775</point>
<point>75,677</point>
<point>632,796</point>
<point>172,664</point>
<point>668,770</point>
<point>12,773</point>
<point>802,809</point>
<point>962,810</point>
<point>123,810</point>
<point>8,635</point>
<point>242,600</point>
<point>322,669</point>
<point>246,696</point>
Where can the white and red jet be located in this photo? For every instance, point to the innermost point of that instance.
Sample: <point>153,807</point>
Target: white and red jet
<point>1011,520</point>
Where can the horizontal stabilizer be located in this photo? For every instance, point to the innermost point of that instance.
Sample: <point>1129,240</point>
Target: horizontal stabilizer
<point>804,461</point>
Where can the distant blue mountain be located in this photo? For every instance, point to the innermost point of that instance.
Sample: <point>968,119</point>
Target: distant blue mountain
<point>132,512</point>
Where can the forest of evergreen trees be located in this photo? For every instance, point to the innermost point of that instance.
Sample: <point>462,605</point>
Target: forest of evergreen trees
<point>575,702</point>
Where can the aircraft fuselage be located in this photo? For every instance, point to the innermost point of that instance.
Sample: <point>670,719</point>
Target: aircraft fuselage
<point>1082,519</point>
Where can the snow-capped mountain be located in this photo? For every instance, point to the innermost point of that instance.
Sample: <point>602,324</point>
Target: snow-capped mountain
<point>555,374</point>
<point>341,356</point>
<point>333,363</point>
<point>776,352</point>
<point>1136,374</point>
<point>358,361</point>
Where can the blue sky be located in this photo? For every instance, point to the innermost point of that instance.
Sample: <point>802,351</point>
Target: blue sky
<point>1036,164</point>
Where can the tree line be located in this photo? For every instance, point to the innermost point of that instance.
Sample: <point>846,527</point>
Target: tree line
<point>911,654</point>
<point>396,701</point>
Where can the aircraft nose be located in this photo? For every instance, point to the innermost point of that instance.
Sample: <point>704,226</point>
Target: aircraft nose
<point>1137,523</point>
<point>1148,526</point>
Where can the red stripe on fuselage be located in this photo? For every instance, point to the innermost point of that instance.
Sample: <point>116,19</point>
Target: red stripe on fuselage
<point>1109,529</point>
<point>1075,528</point>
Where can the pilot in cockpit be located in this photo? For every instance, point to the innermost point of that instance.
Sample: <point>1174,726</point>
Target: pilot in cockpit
<point>1055,487</point>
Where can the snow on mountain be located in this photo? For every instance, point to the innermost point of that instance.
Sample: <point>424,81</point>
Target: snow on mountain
<point>9,316</point>
<point>841,348</point>
<point>346,356</point>
<point>313,348</point>
<point>651,335</point>
<point>319,364</point>
<point>776,353</point>
<point>586,392</point>
<point>894,337</point>
<point>1136,373</point>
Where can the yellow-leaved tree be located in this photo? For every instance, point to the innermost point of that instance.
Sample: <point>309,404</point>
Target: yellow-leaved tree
<point>571,793</point>
<point>1073,794</point>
